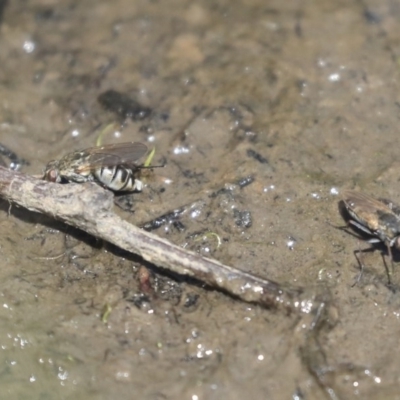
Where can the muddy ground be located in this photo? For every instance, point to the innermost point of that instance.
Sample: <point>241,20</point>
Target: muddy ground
<point>263,112</point>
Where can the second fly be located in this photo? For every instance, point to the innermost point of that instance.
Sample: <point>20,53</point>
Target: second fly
<point>112,166</point>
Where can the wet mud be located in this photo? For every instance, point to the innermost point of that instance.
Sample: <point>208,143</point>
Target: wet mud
<point>263,113</point>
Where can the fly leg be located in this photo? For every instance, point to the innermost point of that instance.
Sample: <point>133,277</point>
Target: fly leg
<point>358,254</point>
<point>360,262</point>
<point>360,251</point>
<point>391,270</point>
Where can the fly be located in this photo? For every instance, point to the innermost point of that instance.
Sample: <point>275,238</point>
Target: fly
<point>112,166</point>
<point>377,218</point>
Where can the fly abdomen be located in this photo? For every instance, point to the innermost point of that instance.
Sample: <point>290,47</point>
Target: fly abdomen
<point>118,178</point>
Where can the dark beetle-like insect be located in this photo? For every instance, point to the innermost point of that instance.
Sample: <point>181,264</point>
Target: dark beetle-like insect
<point>112,166</point>
<point>377,218</point>
<point>15,161</point>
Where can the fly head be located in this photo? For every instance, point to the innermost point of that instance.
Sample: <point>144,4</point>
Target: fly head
<point>51,172</point>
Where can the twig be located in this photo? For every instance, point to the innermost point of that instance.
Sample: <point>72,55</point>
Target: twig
<point>89,208</point>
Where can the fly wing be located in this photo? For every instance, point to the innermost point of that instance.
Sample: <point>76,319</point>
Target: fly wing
<point>360,201</point>
<point>365,209</point>
<point>113,154</point>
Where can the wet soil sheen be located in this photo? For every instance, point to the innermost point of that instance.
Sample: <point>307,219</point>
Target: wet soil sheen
<point>263,112</point>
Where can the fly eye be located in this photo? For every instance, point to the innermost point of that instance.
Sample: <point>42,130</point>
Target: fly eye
<point>51,175</point>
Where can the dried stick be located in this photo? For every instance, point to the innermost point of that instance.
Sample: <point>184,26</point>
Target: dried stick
<point>89,208</point>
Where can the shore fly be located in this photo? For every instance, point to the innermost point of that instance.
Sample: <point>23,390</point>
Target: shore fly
<point>378,219</point>
<point>112,166</point>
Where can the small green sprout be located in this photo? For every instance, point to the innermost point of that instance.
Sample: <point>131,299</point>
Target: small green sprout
<point>149,158</point>
<point>106,313</point>
<point>105,131</point>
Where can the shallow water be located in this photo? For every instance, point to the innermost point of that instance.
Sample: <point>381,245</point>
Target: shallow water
<point>263,113</point>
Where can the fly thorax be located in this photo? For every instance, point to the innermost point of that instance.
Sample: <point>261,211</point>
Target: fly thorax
<point>388,231</point>
<point>389,225</point>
